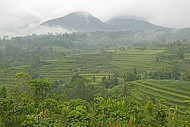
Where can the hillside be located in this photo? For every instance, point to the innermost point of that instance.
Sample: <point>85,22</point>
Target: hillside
<point>117,62</point>
<point>114,60</point>
<point>99,64</point>
<point>106,63</point>
<point>155,72</point>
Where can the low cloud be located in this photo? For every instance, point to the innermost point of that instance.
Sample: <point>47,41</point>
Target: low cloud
<point>46,30</point>
<point>21,15</point>
<point>40,30</point>
<point>19,19</point>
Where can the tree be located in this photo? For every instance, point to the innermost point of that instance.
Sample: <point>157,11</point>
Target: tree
<point>176,72</point>
<point>21,87</point>
<point>40,88</point>
<point>82,90</point>
<point>1,54</point>
<point>3,92</point>
<point>94,78</point>
<point>75,77</point>
<point>5,107</point>
<point>49,105</point>
<point>157,58</point>
<point>125,90</point>
<point>103,79</point>
<point>180,53</point>
<point>186,76</point>
<point>135,71</point>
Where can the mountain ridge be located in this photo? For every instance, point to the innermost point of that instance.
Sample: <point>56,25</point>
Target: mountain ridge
<point>85,22</point>
<point>124,23</point>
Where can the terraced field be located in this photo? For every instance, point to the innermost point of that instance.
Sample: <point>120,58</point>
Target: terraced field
<point>90,64</point>
<point>84,64</point>
<point>174,92</point>
<point>7,75</point>
<point>143,60</point>
<point>101,64</point>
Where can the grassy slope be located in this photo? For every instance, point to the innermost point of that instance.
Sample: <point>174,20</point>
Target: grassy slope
<point>174,92</point>
<point>101,64</point>
<point>143,60</point>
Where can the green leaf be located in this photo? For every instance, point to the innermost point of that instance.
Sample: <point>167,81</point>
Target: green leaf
<point>176,107</point>
<point>1,122</point>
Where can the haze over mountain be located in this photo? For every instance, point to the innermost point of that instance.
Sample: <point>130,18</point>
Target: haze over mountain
<point>78,22</point>
<point>19,17</point>
<point>83,21</point>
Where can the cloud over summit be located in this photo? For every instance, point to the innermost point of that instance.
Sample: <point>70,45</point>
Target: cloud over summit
<point>24,14</point>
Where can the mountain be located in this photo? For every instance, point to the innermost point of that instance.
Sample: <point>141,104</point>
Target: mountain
<point>77,21</point>
<point>123,23</point>
<point>84,22</point>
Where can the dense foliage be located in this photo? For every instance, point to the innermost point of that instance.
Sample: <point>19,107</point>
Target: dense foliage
<point>37,102</point>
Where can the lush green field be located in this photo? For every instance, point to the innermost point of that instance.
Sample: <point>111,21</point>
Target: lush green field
<point>143,60</point>
<point>101,64</point>
<point>174,92</point>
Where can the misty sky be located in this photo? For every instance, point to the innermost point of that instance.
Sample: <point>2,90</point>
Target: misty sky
<point>28,13</point>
